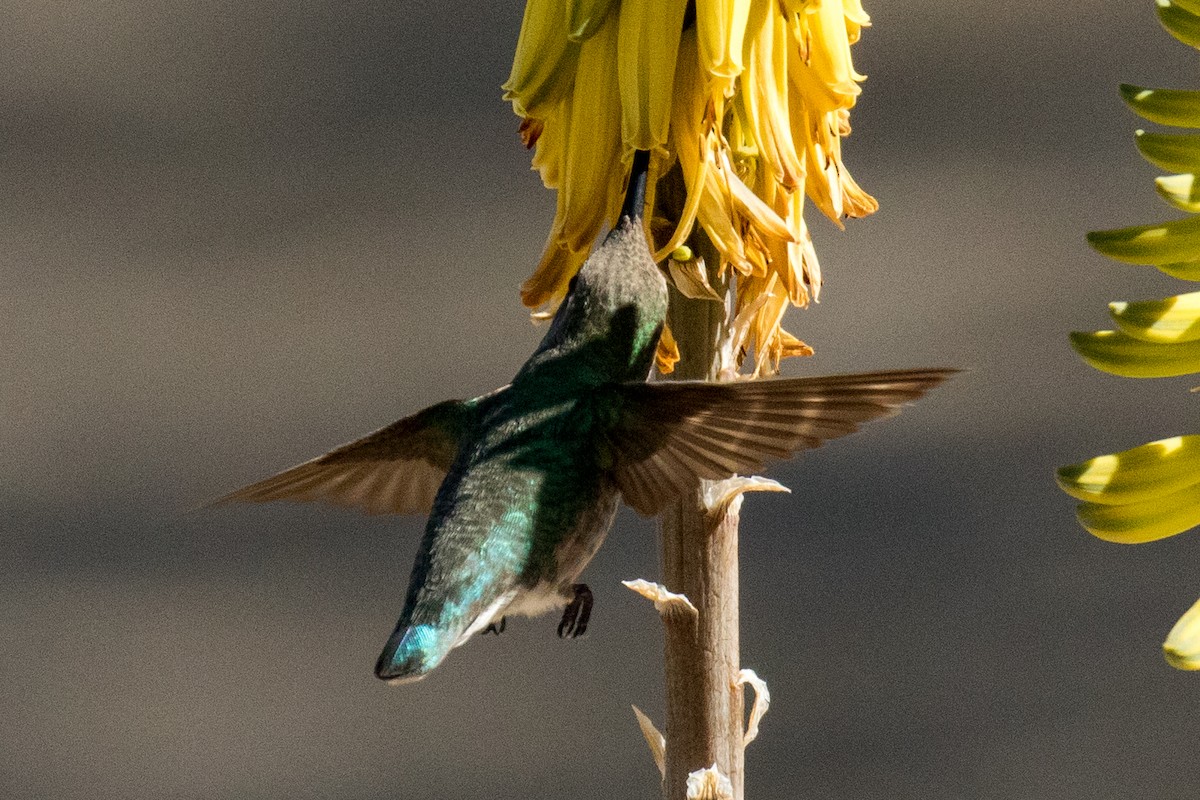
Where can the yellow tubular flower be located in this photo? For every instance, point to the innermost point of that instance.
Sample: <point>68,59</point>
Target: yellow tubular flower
<point>545,62</point>
<point>646,69</point>
<point>584,143</point>
<point>721,25</point>
<point>747,100</point>
<point>1153,491</point>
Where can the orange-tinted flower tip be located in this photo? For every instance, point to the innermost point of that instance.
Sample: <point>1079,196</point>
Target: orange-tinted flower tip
<point>667,355</point>
<point>790,346</point>
<point>530,130</point>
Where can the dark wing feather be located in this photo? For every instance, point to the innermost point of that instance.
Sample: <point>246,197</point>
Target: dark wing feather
<point>670,434</point>
<point>395,470</point>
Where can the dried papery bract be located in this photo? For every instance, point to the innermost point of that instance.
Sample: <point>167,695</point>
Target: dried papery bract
<point>681,617</point>
<point>654,740</point>
<point>762,701</point>
<point>709,784</point>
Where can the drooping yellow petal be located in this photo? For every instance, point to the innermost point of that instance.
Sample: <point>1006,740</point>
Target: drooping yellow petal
<point>856,18</point>
<point>822,183</point>
<point>758,17</point>
<point>1135,475</point>
<point>548,283</point>
<point>790,279</point>
<point>694,139</point>
<point>731,350</point>
<point>590,144</point>
<point>752,207</point>
<point>830,48</point>
<point>763,96</point>
<point>716,215</point>
<point>768,340</point>
<point>856,203</point>
<point>695,193</point>
<point>790,346</point>
<point>690,277</point>
<point>714,208</point>
<point>811,271</point>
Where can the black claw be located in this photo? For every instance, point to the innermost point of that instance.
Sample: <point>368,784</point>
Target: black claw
<point>494,628</point>
<point>577,613</point>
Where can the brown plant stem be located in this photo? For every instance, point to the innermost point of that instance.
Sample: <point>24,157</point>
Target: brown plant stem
<point>700,560</point>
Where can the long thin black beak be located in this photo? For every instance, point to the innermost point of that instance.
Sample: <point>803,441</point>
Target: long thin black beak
<point>635,195</point>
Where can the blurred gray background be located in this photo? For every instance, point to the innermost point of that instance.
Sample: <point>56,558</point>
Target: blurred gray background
<point>235,234</point>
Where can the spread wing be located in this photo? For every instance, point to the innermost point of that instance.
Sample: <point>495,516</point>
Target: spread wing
<point>667,435</point>
<point>395,470</point>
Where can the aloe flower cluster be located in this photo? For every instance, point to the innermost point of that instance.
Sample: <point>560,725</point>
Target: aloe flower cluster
<point>1153,491</point>
<point>748,99</point>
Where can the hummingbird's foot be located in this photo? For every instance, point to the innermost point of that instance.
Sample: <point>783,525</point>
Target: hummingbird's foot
<point>494,628</point>
<point>577,613</point>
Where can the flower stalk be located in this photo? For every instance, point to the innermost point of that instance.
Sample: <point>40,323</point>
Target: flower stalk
<point>738,110</point>
<point>701,659</point>
<point>699,551</point>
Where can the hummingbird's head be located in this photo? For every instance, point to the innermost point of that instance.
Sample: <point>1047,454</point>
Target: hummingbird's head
<point>608,325</point>
<point>614,310</point>
<point>621,274</point>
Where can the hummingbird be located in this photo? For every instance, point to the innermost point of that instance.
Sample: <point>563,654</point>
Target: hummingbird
<point>521,485</point>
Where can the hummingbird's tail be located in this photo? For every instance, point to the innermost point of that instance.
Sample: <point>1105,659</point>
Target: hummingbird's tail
<point>414,649</point>
<point>412,652</point>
